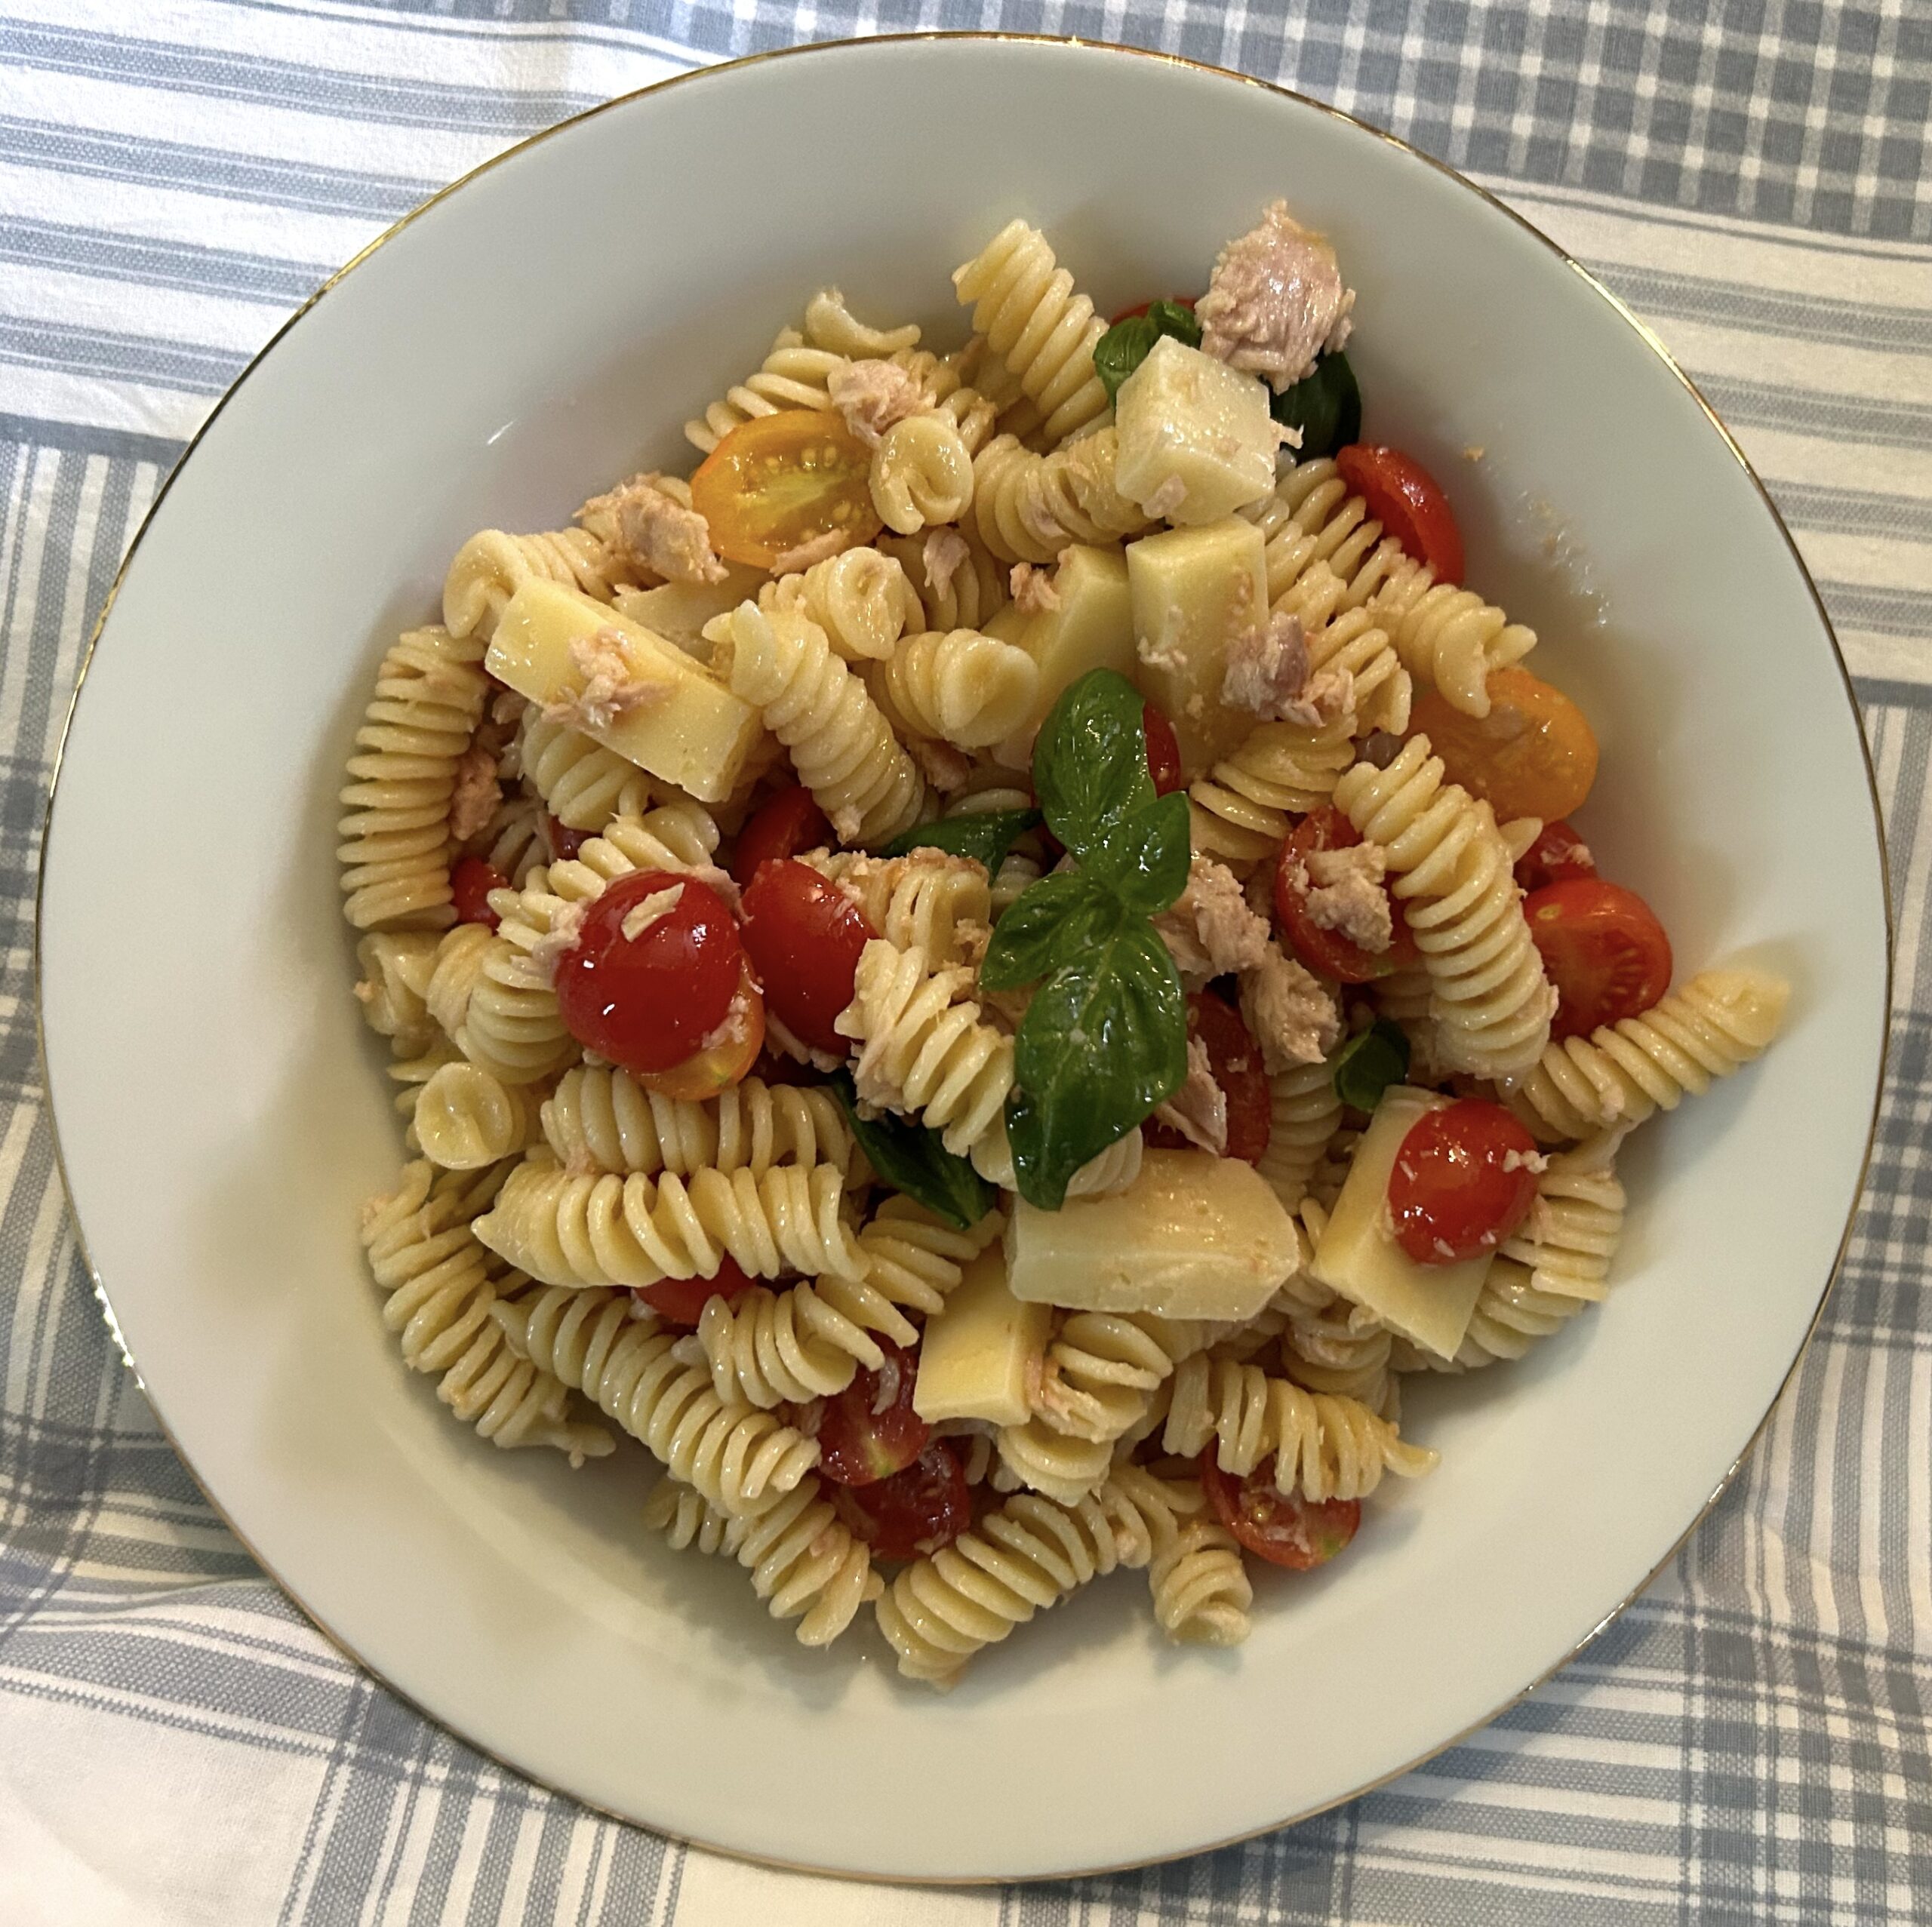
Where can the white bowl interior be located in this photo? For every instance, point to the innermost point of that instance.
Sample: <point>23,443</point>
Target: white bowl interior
<point>546,329</point>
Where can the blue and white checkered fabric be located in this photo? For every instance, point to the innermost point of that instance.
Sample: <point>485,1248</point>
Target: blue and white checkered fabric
<point>1749,1743</point>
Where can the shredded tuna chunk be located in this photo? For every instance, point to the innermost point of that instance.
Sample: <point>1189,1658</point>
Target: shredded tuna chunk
<point>566,925</point>
<point>1166,498</point>
<point>1274,300</point>
<point>1345,895</point>
<point>946,768</point>
<point>945,554</point>
<point>874,395</point>
<point>1293,1018</point>
<point>612,686</point>
<point>1210,930</point>
<point>820,548</point>
<point>1326,694</point>
<point>658,905</point>
<point>652,530</point>
<point>1034,591</point>
<point>1267,667</point>
<point>1199,1109</point>
<point>473,802</point>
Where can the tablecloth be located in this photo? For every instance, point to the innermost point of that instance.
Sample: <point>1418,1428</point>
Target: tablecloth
<point>1749,1743</point>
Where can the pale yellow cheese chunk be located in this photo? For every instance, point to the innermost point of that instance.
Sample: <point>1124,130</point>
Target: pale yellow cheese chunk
<point>1194,1236</point>
<point>1193,590</point>
<point>687,727</point>
<point>1092,629</point>
<point>679,611</point>
<point>981,1349</point>
<point>1196,440</point>
<point>1357,1254</point>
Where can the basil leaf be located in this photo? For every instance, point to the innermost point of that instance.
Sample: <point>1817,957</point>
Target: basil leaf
<point>1049,923</point>
<point>1144,858</point>
<point>1326,406</point>
<point>1103,1041</point>
<point>1172,318</point>
<point>1127,344</point>
<point>985,837</point>
<point>1370,1062</point>
<point>911,1159</point>
<point>1090,760</point>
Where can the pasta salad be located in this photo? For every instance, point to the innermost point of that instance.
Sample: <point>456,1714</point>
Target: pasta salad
<point>990,971</point>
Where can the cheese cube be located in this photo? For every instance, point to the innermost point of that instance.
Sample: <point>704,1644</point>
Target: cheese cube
<point>1357,1254</point>
<point>679,611</point>
<point>686,727</point>
<point>1092,629</point>
<point>1193,590</point>
<point>981,1349</point>
<point>1194,1236</point>
<point>1196,439</point>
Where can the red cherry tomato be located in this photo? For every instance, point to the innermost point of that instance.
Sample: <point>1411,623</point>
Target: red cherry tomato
<point>788,822</point>
<point>804,936</point>
<point>1558,856</point>
<point>1603,948</point>
<point>1163,751</point>
<point>649,1000</point>
<point>1235,1059</point>
<point>471,882</point>
<point>1328,952</point>
<point>681,1301</point>
<point>927,1506</point>
<point>869,1431</point>
<point>564,842</point>
<point>1283,1527</point>
<point>1180,300</point>
<point>1463,1182</point>
<point>1408,501</point>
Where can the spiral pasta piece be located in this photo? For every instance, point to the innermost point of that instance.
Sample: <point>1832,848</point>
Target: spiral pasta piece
<point>1043,1458</point>
<point>771,1348</point>
<point>802,1560</point>
<point>1199,1585</point>
<point>914,1259</point>
<point>928,899</point>
<point>395,845</point>
<point>1622,1074</point>
<point>1024,303</point>
<point>1574,1227</point>
<point>1241,810</point>
<point>1100,1367</point>
<point>1324,1446</point>
<point>921,473</point>
<point>923,1047</point>
<point>793,375</point>
<point>1304,1112</point>
<point>492,566</point>
<point>842,747</point>
<point>392,990</point>
<point>465,1118</point>
<point>739,1460</point>
<point>512,843</point>
<point>1024,1556</point>
<point>439,1285</point>
<point>861,599</point>
<point>960,686</point>
<point>1028,508</point>
<point>567,1229</point>
<point>830,324</point>
<point>601,1118</point>
<point>1112,1170</point>
<point>1351,641</point>
<point>583,784</point>
<point>1342,1350</point>
<point>956,579</point>
<point>1452,874</point>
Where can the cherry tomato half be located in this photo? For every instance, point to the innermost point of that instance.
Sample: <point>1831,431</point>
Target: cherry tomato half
<point>804,936</point>
<point>564,842</point>
<point>727,1054</point>
<point>647,998</point>
<point>1603,948</point>
<point>927,1506</point>
<point>1534,755</point>
<point>681,1301</point>
<point>1463,1181</point>
<point>1236,1059</point>
<point>778,481</point>
<point>1163,751</point>
<point>1283,1527</point>
<point>471,882</point>
<point>782,826</point>
<point>1558,856</point>
<point>1328,952</point>
<point>1409,503</point>
<point>869,1431</point>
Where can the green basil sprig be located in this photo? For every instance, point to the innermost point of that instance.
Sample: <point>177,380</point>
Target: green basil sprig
<point>1104,1039</point>
<point>1326,406</point>
<point>911,1159</point>
<point>985,837</point>
<point>1127,344</point>
<point>1370,1062</point>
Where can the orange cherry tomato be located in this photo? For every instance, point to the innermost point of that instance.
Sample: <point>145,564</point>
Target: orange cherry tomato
<point>778,481</point>
<point>1283,1527</point>
<point>1558,856</point>
<point>681,1301</point>
<point>1328,953</point>
<point>1463,1182</point>
<point>1603,948</point>
<point>1409,503</point>
<point>1533,754</point>
<point>729,1053</point>
<point>786,823</point>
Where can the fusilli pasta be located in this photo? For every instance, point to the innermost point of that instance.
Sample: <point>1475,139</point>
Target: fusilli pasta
<point>1304,1112</point>
<point>1030,507</point>
<point>957,582</point>
<point>1240,812</point>
<point>861,599</point>
<point>959,686</point>
<point>583,784</point>
<point>921,473</point>
<point>793,375</point>
<point>465,1118</point>
<point>927,899</point>
<point>491,567</point>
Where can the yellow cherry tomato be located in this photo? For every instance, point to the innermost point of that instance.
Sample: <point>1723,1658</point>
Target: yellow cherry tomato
<point>1532,755</point>
<point>778,482</point>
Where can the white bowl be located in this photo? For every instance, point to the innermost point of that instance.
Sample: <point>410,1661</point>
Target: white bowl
<point>546,327</point>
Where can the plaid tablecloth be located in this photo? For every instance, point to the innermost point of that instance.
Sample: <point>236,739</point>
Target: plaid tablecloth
<point>1749,1743</point>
